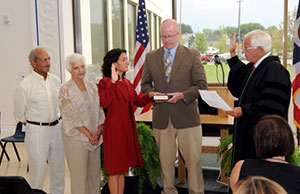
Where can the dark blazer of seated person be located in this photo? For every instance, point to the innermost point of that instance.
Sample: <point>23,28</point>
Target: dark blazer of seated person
<point>273,139</point>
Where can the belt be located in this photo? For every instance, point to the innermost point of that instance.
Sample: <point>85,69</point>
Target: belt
<point>44,124</point>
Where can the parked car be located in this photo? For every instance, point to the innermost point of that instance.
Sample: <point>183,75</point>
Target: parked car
<point>207,58</point>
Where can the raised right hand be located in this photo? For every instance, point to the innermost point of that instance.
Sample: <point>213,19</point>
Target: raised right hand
<point>114,73</point>
<point>233,46</point>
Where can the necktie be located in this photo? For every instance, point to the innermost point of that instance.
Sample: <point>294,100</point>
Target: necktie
<point>168,65</point>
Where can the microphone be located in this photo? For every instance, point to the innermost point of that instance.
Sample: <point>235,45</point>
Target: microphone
<point>217,60</point>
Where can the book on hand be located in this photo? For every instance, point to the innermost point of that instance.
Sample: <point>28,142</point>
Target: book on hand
<point>161,97</point>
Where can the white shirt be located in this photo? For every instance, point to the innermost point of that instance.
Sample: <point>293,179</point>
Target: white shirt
<point>261,59</point>
<point>36,99</point>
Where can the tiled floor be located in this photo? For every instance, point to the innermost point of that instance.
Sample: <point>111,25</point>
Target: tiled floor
<point>16,168</point>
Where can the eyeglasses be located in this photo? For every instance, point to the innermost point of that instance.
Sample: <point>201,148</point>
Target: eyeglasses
<point>168,36</point>
<point>250,48</point>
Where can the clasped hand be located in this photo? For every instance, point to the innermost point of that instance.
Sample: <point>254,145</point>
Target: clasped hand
<point>94,137</point>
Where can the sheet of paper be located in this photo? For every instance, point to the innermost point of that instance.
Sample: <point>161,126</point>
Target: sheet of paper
<point>213,99</point>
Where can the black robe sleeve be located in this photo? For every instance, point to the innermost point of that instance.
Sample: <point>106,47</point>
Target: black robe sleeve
<point>238,75</point>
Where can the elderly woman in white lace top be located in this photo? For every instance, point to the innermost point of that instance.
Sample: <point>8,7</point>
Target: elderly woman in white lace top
<point>82,124</point>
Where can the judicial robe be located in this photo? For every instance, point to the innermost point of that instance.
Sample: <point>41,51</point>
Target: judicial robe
<point>264,91</point>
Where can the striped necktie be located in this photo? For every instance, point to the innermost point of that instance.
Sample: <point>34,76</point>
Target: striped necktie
<point>168,65</point>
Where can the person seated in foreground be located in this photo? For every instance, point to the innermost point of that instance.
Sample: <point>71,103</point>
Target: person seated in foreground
<point>259,185</point>
<point>274,142</point>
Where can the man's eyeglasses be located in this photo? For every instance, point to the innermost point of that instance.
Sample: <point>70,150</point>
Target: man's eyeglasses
<point>168,36</point>
<point>250,48</point>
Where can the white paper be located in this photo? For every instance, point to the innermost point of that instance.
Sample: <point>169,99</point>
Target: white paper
<point>213,99</point>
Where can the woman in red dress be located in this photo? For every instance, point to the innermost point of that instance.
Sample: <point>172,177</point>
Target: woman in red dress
<point>120,140</point>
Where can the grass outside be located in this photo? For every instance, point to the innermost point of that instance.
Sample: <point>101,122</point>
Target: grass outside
<point>214,73</point>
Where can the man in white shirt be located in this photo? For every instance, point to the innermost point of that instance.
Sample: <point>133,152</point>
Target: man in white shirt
<point>36,105</point>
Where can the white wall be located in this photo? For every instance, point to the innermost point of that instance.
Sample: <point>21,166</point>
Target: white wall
<point>18,36</point>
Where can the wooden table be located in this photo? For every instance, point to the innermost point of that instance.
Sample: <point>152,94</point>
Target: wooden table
<point>216,121</point>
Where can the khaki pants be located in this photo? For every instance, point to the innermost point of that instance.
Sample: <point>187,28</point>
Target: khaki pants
<point>84,167</point>
<point>189,142</point>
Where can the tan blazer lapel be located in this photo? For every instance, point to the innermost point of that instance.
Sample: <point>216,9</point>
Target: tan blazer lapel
<point>177,61</point>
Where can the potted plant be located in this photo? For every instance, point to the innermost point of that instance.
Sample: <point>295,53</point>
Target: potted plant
<point>226,154</point>
<point>150,154</point>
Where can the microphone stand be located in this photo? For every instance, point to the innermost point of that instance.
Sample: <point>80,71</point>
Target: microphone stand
<point>218,62</point>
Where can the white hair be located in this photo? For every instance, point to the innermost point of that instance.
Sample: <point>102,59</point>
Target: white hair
<point>73,58</point>
<point>260,38</point>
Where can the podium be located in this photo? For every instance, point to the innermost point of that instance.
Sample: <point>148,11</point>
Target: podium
<point>220,120</point>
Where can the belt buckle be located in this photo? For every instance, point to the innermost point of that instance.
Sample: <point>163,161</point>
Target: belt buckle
<point>49,124</point>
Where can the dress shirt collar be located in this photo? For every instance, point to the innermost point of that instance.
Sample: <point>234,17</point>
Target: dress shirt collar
<point>261,59</point>
<point>173,51</point>
<point>172,54</point>
<point>38,76</point>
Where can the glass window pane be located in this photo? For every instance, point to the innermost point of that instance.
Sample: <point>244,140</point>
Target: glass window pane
<point>117,23</point>
<point>159,25</point>
<point>131,16</point>
<point>98,34</point>
<point>149,27</point>
<point>155,32</point>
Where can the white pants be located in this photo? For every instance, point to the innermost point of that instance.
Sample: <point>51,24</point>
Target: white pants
<point>44,144</point>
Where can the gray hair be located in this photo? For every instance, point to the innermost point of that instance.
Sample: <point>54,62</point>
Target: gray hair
<point>73,58</point>
<point>260,38</point>
<point>33,54</point>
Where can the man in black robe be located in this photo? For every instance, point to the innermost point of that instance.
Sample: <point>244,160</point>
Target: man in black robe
<point>263,87</point>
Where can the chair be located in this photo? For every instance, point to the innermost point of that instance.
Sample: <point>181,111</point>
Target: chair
<point>18,137</point>
<point>3,150</point>
<point>16,185</point>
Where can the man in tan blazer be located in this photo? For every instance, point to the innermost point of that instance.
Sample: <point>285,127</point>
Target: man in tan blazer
<point>176,71</point>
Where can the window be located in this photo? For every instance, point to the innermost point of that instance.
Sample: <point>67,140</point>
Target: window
<point>131,16</point>
<point>155,31</point>
<point>98,34</point>
<point>117,23</point>
<point>149,28</point>
<point>159,26</point>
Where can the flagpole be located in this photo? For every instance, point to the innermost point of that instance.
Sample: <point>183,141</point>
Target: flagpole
<point>285,29</point>
<point>180,19</point>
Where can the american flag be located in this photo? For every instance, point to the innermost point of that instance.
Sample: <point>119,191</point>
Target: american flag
<point>142,47</point>
<point>296,62</point>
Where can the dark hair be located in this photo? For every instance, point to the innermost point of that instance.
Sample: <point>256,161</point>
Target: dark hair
<point>111,57</point>
<point>273,137</point>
